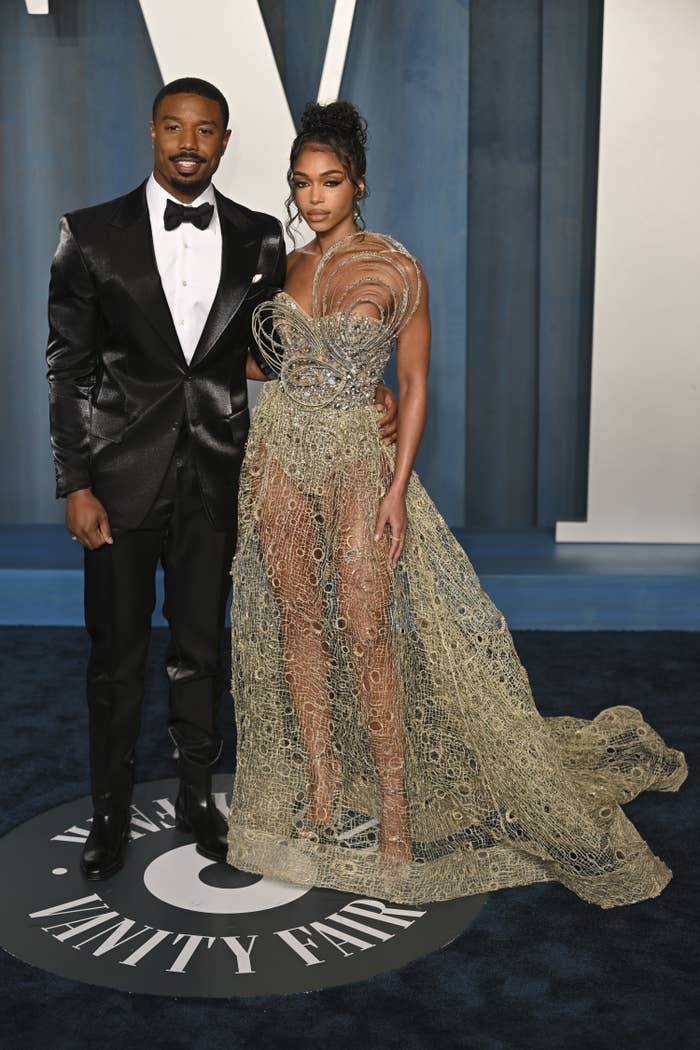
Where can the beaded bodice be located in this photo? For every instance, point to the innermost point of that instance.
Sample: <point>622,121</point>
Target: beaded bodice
<point>366,288</point>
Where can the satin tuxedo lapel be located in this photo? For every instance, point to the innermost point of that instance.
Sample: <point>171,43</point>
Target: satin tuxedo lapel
<point>138,270</point>
<point>240,247</point>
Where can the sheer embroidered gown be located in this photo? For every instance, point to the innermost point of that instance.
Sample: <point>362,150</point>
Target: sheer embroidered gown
<point>388,741</point>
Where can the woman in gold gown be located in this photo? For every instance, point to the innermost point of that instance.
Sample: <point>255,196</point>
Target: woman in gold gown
<point>388,741</point>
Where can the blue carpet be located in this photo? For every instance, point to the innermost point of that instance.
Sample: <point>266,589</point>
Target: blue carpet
<point>537,969</point>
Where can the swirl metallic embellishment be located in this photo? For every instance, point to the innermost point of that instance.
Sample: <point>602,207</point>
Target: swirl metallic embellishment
<point>365,289</point>
<point>276,323</point>
<point>368,271</point>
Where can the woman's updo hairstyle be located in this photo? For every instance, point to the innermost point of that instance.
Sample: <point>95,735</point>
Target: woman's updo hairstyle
<point>341,128</point>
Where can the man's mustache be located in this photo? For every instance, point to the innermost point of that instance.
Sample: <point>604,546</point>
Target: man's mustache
<point>188,156</point>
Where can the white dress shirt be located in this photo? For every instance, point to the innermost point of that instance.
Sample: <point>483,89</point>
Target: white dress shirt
<point>189,264</point>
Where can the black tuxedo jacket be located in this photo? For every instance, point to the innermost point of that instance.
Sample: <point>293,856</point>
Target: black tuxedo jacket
<point>120,387</point>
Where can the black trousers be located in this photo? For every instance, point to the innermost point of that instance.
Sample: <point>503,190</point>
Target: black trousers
<point>120,596</point>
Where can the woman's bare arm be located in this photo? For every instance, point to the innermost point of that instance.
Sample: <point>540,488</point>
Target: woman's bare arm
<point>412,362</point>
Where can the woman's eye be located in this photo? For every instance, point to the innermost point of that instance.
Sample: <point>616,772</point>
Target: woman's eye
<point>333,182</point>
<point>299,185</point>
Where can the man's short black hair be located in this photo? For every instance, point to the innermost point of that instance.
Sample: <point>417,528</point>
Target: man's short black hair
<point>192,86</point>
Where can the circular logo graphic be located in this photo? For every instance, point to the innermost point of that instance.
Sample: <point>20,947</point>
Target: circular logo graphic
<point>173,923</point>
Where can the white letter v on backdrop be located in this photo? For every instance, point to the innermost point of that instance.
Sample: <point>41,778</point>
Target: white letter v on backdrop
<point>238,58</point>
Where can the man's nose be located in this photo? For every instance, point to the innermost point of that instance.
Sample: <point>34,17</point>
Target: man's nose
<point>188,140</point>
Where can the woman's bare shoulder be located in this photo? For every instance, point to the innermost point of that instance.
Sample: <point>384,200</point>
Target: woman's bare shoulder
<point>293,259</point>
<point>299,258</point>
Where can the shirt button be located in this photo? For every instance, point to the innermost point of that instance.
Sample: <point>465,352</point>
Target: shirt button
<point>184,284</point>
<point>186,244</point>
<point>182,324</point>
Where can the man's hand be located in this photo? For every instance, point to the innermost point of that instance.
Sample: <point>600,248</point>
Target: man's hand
<point>86,519</point>
<point>388,421</point>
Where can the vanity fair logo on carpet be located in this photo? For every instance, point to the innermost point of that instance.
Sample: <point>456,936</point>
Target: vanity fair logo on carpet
<point>173,923</point>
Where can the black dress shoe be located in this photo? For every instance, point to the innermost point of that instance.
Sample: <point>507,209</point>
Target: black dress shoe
<point>103,853</point>
<point>195,809</point>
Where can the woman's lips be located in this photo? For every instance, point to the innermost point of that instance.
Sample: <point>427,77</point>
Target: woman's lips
<point>317,216</point>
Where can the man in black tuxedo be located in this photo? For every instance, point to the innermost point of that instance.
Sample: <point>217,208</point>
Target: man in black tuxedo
<point>150,304</point>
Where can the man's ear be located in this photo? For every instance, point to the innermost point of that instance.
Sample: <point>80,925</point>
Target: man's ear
<point>152,131</point>
<point>227,136</point>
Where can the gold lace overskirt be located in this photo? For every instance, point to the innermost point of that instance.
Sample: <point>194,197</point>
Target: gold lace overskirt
<point>407,680</point>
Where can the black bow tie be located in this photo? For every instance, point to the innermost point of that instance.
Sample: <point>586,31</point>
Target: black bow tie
<point>177,213</point>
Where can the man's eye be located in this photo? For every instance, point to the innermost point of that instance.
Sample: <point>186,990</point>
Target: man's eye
<point>205,131</point>
<point>171,127</point>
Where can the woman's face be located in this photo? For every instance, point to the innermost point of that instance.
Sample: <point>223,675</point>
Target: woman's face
<point>323,193</point>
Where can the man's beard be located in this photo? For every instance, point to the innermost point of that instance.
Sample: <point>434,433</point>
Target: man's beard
<point>195,186</point>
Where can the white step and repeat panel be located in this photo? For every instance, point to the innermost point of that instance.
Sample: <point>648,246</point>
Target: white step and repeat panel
<point>644,469</point>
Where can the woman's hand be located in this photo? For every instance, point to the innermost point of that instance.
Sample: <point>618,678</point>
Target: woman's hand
<point>388,410</point>
<point>392,515</point>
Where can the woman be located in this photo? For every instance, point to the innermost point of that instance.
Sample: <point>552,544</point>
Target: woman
<point>388,742</point>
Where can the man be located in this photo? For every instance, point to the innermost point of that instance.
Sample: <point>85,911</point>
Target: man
<point>150,304</point>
